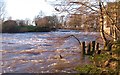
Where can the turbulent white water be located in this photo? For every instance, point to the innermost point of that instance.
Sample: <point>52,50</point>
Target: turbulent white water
<point>40,52</point>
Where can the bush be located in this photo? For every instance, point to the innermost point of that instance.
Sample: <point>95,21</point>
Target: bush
<point>27,28</point>
<point>10,26</point>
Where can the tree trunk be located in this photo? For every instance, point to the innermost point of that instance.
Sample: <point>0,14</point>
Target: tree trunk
<point>102,24</point>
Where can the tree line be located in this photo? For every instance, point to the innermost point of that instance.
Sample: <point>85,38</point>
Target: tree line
<point>47,23</point>
<point>42,24</point>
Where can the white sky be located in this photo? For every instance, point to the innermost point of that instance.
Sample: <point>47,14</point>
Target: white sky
<point>21,9</point>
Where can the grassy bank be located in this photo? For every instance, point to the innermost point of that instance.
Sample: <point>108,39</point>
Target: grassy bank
<point>20,29</point>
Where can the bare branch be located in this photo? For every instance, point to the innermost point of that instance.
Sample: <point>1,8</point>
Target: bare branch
<point>111,19</point>
<point>2,9</point>
<point>74,37</point>
<point>85,5</point>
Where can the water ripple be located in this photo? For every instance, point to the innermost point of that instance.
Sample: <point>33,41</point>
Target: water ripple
<point>40,52</point>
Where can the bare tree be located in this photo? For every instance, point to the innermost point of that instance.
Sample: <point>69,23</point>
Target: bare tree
<point>2,10</point>
<point>2,14</point>
<point>108,15</point>
<point>88,7</point>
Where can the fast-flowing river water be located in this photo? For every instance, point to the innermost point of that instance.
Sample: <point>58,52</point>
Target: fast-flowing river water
<point>43,52</point>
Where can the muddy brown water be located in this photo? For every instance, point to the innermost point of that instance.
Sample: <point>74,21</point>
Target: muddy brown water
<point>43,52</point>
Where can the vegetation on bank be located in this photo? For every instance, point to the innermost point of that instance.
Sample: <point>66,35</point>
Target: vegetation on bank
<point>41,24</point>
<point>105,63</point>
<point>21,29</point>
<point>11,26</point>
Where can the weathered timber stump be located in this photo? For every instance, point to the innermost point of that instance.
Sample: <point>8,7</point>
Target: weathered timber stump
<point>91,47</point>
<point>83,47</point>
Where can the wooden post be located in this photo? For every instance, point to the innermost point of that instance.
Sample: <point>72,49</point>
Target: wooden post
<point>83,47</point>
<point>93,46</point>
<point>97,46</point>
<point>89,48</point>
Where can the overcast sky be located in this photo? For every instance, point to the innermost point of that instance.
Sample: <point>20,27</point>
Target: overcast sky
<point>21,9</point>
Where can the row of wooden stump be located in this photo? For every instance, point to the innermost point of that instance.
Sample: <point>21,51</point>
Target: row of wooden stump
<point>88,48</point>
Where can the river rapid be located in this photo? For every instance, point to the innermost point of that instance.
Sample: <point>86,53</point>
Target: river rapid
<point>43,52</point>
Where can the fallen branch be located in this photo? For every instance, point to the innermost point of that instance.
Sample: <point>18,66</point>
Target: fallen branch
<point>74,37</point>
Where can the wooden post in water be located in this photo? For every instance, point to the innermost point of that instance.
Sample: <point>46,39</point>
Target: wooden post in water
<point>93,46</point>
<point>97,46</point>
<point>89,48</point>
<point>83,47</point>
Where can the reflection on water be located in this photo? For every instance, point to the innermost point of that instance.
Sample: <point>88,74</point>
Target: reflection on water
<point>40,52</point>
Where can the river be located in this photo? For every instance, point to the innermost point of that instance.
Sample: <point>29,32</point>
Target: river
<point>43,52</point>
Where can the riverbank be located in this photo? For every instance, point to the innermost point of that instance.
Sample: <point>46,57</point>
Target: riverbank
<point>23,29</point>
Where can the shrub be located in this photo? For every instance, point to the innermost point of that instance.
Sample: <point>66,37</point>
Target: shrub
<point>10,26</point>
